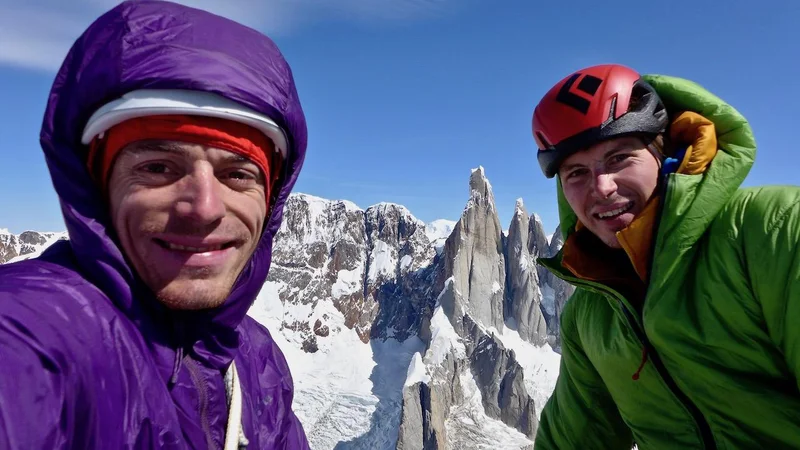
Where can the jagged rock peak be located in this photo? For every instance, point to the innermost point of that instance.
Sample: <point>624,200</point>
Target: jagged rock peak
<point>520,207</point>
<point>474,256</point>
<point>480,189</point>
<point>538,246</point>
<point>524,295</point>
<point>471,302</point>
<point>557,241</point>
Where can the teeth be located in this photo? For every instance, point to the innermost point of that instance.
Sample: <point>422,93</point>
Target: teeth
<point>615,212</point>
<point>184,248</point>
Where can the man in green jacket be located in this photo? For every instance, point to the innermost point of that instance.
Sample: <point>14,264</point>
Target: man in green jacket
<point>684,329</point>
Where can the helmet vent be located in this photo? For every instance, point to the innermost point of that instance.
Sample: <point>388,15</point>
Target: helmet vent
<point>545,143</point>
<point>638,97</point>
<point>612,112</point>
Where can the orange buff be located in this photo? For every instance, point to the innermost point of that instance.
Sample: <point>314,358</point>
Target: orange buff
<point>208,131</point>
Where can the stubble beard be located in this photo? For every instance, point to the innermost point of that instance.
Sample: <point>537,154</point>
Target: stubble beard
<point>200,291</point>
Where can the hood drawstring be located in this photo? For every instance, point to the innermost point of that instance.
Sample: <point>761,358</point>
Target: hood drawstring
<point>176,366</point>
<point>178,336</point>
<point>641,366</point>
<point>235,438</point>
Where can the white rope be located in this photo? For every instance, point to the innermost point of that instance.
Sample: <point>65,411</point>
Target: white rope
<point>234,433</point>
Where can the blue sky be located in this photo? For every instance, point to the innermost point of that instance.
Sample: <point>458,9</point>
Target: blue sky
<point>404,97</point>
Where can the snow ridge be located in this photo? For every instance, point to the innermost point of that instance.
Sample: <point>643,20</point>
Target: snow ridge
<point>28,244</point>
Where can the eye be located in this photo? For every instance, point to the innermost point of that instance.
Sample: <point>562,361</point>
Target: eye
<point>240,176</point>
<point>620,157</point>
<point>575,173</point>
<point>155,168</point>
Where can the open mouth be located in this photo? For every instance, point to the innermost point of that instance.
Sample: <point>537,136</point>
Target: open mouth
<point>188,249</point>
<point>614,213</point>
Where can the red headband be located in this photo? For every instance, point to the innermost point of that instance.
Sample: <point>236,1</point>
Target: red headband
<point>209,131</point>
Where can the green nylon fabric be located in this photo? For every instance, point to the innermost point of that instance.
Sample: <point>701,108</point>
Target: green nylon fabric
<point>722,315</point>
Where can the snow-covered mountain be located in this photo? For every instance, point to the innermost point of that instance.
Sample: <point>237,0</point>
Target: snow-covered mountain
<point>410,336</point>
<point>438,232</point>
<point>406,335</point>
<point>28,244</point>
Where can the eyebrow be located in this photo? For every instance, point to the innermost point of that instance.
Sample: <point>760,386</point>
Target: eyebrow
<point>177,149</point>
<point>615,149</point>
<point>157,146</point>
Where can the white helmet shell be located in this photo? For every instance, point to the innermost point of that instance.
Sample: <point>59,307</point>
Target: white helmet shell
<point>151,102</point>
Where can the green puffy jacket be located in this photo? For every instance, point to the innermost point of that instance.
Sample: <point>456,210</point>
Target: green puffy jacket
<point>720,321</point>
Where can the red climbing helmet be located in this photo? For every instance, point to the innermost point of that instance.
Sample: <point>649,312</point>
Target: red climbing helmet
<point>592,105</point>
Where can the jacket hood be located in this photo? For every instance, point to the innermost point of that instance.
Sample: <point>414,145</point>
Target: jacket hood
<point>693,201</point>
<point>162,45</point>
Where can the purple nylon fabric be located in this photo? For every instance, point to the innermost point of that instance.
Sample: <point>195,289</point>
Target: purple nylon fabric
<point>88,358</point>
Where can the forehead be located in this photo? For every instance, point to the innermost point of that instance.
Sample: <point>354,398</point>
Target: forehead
<point>186,150</point>
<point>601,150</point>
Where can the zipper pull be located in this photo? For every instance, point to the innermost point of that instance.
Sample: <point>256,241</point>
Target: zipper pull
<point>641,366</point>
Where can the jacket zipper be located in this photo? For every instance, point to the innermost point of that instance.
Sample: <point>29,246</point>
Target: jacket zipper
<point>697,415</point>
<point>702,424</point>
<point>203,400</point>
<point>700,420</point>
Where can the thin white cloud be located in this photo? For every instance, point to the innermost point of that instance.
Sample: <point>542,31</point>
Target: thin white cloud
<point>37,38</point>
<point>270,16</point>
<point>38,35</point>
<point>384,10</point>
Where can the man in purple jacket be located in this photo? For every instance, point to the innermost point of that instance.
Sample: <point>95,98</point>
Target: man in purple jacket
<point>173,138</point>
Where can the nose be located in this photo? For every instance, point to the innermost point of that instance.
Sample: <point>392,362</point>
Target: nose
<point>202,198</point>
<point>604,185</point>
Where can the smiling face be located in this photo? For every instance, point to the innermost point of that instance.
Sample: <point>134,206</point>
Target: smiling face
<point>609,184</point>
<point>188,217</point>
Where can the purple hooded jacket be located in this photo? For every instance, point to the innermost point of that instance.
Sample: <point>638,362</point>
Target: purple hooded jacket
<point>88,358</point>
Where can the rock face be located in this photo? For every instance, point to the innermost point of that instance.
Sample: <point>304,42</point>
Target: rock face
<point>556,242</point>
<point>556,292</point>
<point>525,240</point>
<point>369,262</point>
<point>474,258</point>
<point>416,432</point>
<point>501,381</point>
<point>322,254</point>
<point>399,270</point>
<point>538,246</point>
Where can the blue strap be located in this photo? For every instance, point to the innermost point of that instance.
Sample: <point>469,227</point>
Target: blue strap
<point>671,163</point>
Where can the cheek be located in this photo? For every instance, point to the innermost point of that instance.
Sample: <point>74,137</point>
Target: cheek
<point>574,197</point>
<point>140,212</point>
<point>118,209</point>
<point>261,216</point>
<point>644,181</point>
<point>125,226</point>
<point>251,208</point>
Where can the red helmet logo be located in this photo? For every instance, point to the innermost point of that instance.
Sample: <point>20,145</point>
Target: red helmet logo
<point>588,85</point>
